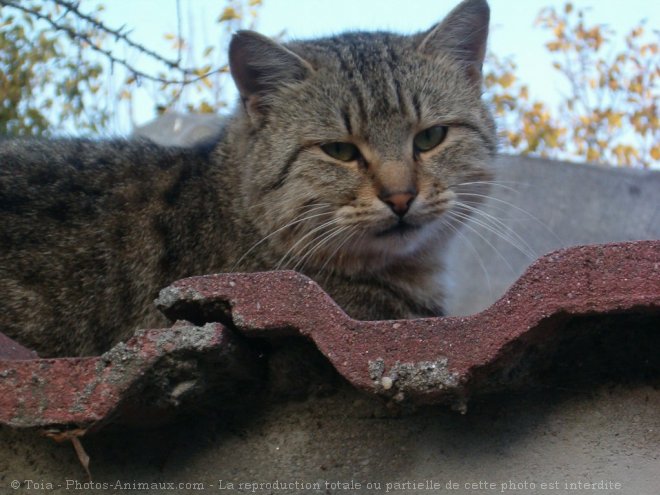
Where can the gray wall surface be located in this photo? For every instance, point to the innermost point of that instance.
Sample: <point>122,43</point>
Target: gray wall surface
<point>542,205</point>
<point>556,437</point>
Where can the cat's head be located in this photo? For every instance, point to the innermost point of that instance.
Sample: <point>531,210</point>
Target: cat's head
<point>358,144</point>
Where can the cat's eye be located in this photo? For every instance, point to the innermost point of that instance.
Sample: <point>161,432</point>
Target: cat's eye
<point>430,138</point>
<point>346,152</point>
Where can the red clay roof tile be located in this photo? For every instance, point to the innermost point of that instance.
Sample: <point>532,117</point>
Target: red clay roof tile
<point>418,361</point>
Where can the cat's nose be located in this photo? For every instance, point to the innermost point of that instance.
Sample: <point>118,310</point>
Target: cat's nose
<point>399,202</point>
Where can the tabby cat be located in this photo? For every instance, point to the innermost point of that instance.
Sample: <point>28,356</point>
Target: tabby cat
<point>343,160</point>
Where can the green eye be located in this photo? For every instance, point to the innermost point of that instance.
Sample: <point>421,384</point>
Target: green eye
<point>430,138</point>
<point>346,152</point>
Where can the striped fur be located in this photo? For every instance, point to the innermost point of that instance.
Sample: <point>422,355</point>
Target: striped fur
<point>91,230</point>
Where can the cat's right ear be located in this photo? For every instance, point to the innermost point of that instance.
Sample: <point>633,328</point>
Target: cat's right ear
<point>259,65</point>
<point>463,33</point>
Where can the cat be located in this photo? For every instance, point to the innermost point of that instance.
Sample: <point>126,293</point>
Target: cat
<point>343,160</point>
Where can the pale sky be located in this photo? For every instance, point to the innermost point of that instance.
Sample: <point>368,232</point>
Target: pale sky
<point>512,24</point>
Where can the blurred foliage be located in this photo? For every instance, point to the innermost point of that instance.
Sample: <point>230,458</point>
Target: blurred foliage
<point>609,112</point>
<point>45,79</point>
<point>60,72</point>
<point>208,93</point>
<point>61,69</point>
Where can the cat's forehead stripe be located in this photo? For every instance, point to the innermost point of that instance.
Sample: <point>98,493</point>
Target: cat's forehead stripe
<point>373,69</point>
<point>347,120</point>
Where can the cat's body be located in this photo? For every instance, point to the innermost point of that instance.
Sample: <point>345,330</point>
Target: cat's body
<point>343,162</point>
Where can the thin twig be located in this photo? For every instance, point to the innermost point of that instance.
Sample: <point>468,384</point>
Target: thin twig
<point>110,56</point>
<point>117,33</point>
<point>179,33</point>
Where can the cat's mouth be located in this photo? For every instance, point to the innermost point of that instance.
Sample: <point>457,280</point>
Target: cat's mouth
<point>400,228</point>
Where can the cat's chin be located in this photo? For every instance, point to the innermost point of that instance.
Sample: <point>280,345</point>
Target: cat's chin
<point>399,240</point>
<point>401,228</point>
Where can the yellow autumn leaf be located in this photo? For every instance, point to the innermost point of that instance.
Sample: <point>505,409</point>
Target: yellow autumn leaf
<point>229,14</point>
<point>553,46</point>
<point>614,119</point>
<point>524,93</point>
<point>206,108</point>
<point>514,138</point>
<point>592,155</point>
<point>507,80</point>
<point>655,152</point>
<point>202,71</point>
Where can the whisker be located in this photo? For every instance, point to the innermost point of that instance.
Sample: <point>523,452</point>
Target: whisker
<point>489,228</point>
<point>495,207</point>
<point>296,221</point>
<point>305,206</point>
<point>466,225</point>
<point>320,241</point>
<point>502,184</point>
<point>517,208</point>
<point>311,232</point>
<point>332,270</point>
<point>470,244</point>
<point>505,232</point>
<point>351,232</point>
<point>469,218</point>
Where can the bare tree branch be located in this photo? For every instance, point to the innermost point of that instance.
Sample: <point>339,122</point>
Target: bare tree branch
<point>119,35</point>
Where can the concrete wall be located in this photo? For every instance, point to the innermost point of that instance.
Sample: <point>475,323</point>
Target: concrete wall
<point>545,205</point>
<point>551,436</point>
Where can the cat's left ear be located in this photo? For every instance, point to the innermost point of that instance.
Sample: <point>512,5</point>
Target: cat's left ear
<point>463,34</point>
<point>259,66</point>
